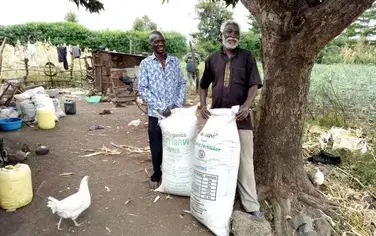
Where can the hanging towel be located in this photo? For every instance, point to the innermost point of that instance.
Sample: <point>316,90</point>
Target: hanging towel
<point>76,52</point>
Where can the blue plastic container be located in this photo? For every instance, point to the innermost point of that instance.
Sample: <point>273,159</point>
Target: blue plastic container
<point>8,124</point>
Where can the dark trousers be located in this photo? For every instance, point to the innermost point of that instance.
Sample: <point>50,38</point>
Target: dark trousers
<point>155,142</point>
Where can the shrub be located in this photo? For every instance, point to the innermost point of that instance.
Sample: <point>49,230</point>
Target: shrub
<point>74,34</point>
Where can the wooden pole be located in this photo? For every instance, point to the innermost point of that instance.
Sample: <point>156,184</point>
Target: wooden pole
<point>1,52</point>
<point>26,61</point>
<point>72,63</point>
<point>81,76</point>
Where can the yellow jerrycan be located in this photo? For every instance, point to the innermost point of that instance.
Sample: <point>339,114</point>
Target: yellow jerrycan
<point>46,118</point>
<point>16,188</point>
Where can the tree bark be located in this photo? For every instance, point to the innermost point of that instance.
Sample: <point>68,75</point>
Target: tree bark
<point>289,49</point>
<point>293,32</point>
<point>278,161</point>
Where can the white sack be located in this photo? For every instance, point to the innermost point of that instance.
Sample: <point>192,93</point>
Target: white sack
<point>216,164</point>
<point>58,111</point>
<point>27,110</point>
<point>28,94</point>
<point>8,113</point>
<point>43,101</point>
<point>179,132</point>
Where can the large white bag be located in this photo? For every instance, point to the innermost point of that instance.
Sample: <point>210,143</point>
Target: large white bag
<point>179,132</point>
<point>43,101</point>
<point>216,163</point>
<point>27,110</point>
<point>28,94</point>
<point>58,111</point>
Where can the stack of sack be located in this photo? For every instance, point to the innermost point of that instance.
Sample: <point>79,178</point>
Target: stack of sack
<point>203,167</point>
<point>28,103</point>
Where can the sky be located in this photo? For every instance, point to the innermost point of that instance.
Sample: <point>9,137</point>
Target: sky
<point>177,15</point>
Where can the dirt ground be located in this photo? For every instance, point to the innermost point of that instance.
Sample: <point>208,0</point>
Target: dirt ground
<point>123,174</point>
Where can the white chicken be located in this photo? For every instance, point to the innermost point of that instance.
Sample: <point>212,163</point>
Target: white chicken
<point>318,178</point>
<point>135,122</point>
<point>72,206</point>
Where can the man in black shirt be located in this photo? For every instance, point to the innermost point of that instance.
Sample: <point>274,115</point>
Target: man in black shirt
<point>235,80</point>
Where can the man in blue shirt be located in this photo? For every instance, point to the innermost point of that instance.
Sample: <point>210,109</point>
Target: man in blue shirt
<point>163,86</point>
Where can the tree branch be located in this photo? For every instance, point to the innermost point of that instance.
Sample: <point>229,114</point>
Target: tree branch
<point>328,19</point>
<point>254,7</point>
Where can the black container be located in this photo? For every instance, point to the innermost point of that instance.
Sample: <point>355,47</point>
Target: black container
<point>70,107</point>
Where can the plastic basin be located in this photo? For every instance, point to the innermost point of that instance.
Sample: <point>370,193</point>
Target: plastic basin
<point>93,99</point>
<point>10,124</point>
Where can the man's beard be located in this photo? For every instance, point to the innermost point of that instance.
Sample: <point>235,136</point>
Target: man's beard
<point>229,45</point>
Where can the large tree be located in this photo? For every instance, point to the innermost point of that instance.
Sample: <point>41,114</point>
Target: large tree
<point>144,24</point>
<point>71,17</point>
<point>293,33</point>
<point>210,15</point>
<point>90,5</point>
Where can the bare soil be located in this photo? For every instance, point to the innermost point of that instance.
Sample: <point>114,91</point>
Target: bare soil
<point>124,175</point>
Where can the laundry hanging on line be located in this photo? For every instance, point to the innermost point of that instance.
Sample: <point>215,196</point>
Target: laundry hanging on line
<point>76,52</point>
<point>62,56</point>
<point>31,50</point>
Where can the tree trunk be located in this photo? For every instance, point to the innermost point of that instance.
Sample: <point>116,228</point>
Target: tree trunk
<point>280,176</point>
<point>293,32</point>
<point>278,161</point>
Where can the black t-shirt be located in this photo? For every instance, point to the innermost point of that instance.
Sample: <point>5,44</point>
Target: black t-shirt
<point>231,78</point>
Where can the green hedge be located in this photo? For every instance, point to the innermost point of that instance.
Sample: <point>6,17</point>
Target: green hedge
<point>74,33</point>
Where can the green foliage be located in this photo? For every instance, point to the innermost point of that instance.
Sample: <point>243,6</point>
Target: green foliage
<point>342,93</point>
<point>331,53</point>
<point>93,6</point>
<point>57,33</point>
<point>73,33</point>
<point>348,51</point>
<point>211,15</point>
<point>144,24</point>
<point>364,26</point>
<point>255,25</point>
<point>251,41</point>
<point>71,17</point>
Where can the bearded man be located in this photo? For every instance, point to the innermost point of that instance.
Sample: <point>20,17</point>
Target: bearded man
<point>235,79</point>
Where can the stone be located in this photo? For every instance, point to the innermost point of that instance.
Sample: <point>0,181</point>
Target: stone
<point>244,224</point>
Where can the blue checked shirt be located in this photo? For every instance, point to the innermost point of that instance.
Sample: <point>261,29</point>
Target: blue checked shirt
<point>161,88</point>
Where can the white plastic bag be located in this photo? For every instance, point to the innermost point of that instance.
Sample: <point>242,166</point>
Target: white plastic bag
<point>216,164</point>
<point>58,111</point>
<point>43,101</point>
<point>8,113</point>
<point>28,94</point>
<point>179,132</point>
<point>27,110</point>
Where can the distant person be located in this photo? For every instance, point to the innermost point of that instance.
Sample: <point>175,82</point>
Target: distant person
<point>190,67</point>
<point>235,79</point>
<point>162,85</point>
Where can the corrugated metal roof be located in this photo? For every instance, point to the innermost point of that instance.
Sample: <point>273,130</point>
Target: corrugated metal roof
<point>122,53</point>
